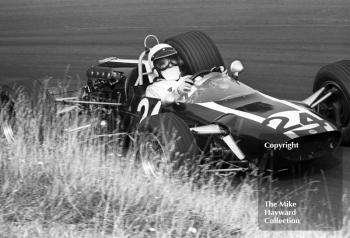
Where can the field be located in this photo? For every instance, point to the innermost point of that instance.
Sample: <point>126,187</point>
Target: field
<point>61,190</point>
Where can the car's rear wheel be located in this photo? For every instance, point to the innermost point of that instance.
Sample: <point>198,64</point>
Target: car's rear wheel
<point>197,51</point>
<point>166,145</point>
<point>21,103</point>
<point>335,78</point>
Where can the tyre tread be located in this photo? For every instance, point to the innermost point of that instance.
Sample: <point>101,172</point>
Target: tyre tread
<point>197,50</point>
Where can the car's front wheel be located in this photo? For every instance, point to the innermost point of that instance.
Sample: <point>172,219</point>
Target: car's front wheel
<point>335,78</point>
<point>166,145</point>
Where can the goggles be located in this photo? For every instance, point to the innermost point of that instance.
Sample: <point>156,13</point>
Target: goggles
<point>164,63</point>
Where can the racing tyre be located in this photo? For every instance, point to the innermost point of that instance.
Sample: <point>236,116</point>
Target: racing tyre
<point>166,145</point>
<point>24,104</point>
<point>335,78</point>
<point>197,51</point>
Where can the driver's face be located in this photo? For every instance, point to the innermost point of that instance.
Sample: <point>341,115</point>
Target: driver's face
<point>171,73</point>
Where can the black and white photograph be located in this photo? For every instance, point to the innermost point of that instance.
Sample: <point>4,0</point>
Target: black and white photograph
<point>155,118</point>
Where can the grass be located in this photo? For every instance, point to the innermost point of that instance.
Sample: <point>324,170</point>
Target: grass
<point>62,187</point>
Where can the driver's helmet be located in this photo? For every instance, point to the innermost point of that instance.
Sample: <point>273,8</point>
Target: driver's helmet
<point>164,62</point>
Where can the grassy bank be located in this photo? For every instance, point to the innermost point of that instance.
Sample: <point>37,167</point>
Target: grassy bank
<point>63,181</point>
<point>61,187</point>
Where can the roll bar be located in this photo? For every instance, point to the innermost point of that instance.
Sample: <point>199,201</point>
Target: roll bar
<point>139,80</point>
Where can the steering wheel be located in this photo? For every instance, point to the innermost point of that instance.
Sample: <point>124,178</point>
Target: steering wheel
<point>200,73</point>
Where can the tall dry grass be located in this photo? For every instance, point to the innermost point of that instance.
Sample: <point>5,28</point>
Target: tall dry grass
<point>62,180</point>
<point>67,185</point>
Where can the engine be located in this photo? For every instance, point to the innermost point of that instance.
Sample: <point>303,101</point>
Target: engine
<point>105,84</point>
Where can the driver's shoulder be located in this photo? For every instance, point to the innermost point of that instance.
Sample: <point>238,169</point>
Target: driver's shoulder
<point>162,85</point>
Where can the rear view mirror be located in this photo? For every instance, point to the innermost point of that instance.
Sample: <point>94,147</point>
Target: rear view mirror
<point>236,68</point>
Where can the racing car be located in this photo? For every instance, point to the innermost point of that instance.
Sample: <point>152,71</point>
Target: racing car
<point>223,125</point>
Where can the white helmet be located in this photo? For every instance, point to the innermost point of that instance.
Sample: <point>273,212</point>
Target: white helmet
<point>158,52</point>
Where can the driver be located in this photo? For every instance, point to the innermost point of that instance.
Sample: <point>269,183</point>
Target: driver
<point>169,82</point>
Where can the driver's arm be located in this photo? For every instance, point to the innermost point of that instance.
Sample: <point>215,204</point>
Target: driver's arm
<point>168,91</point>
<point>165,92</point>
